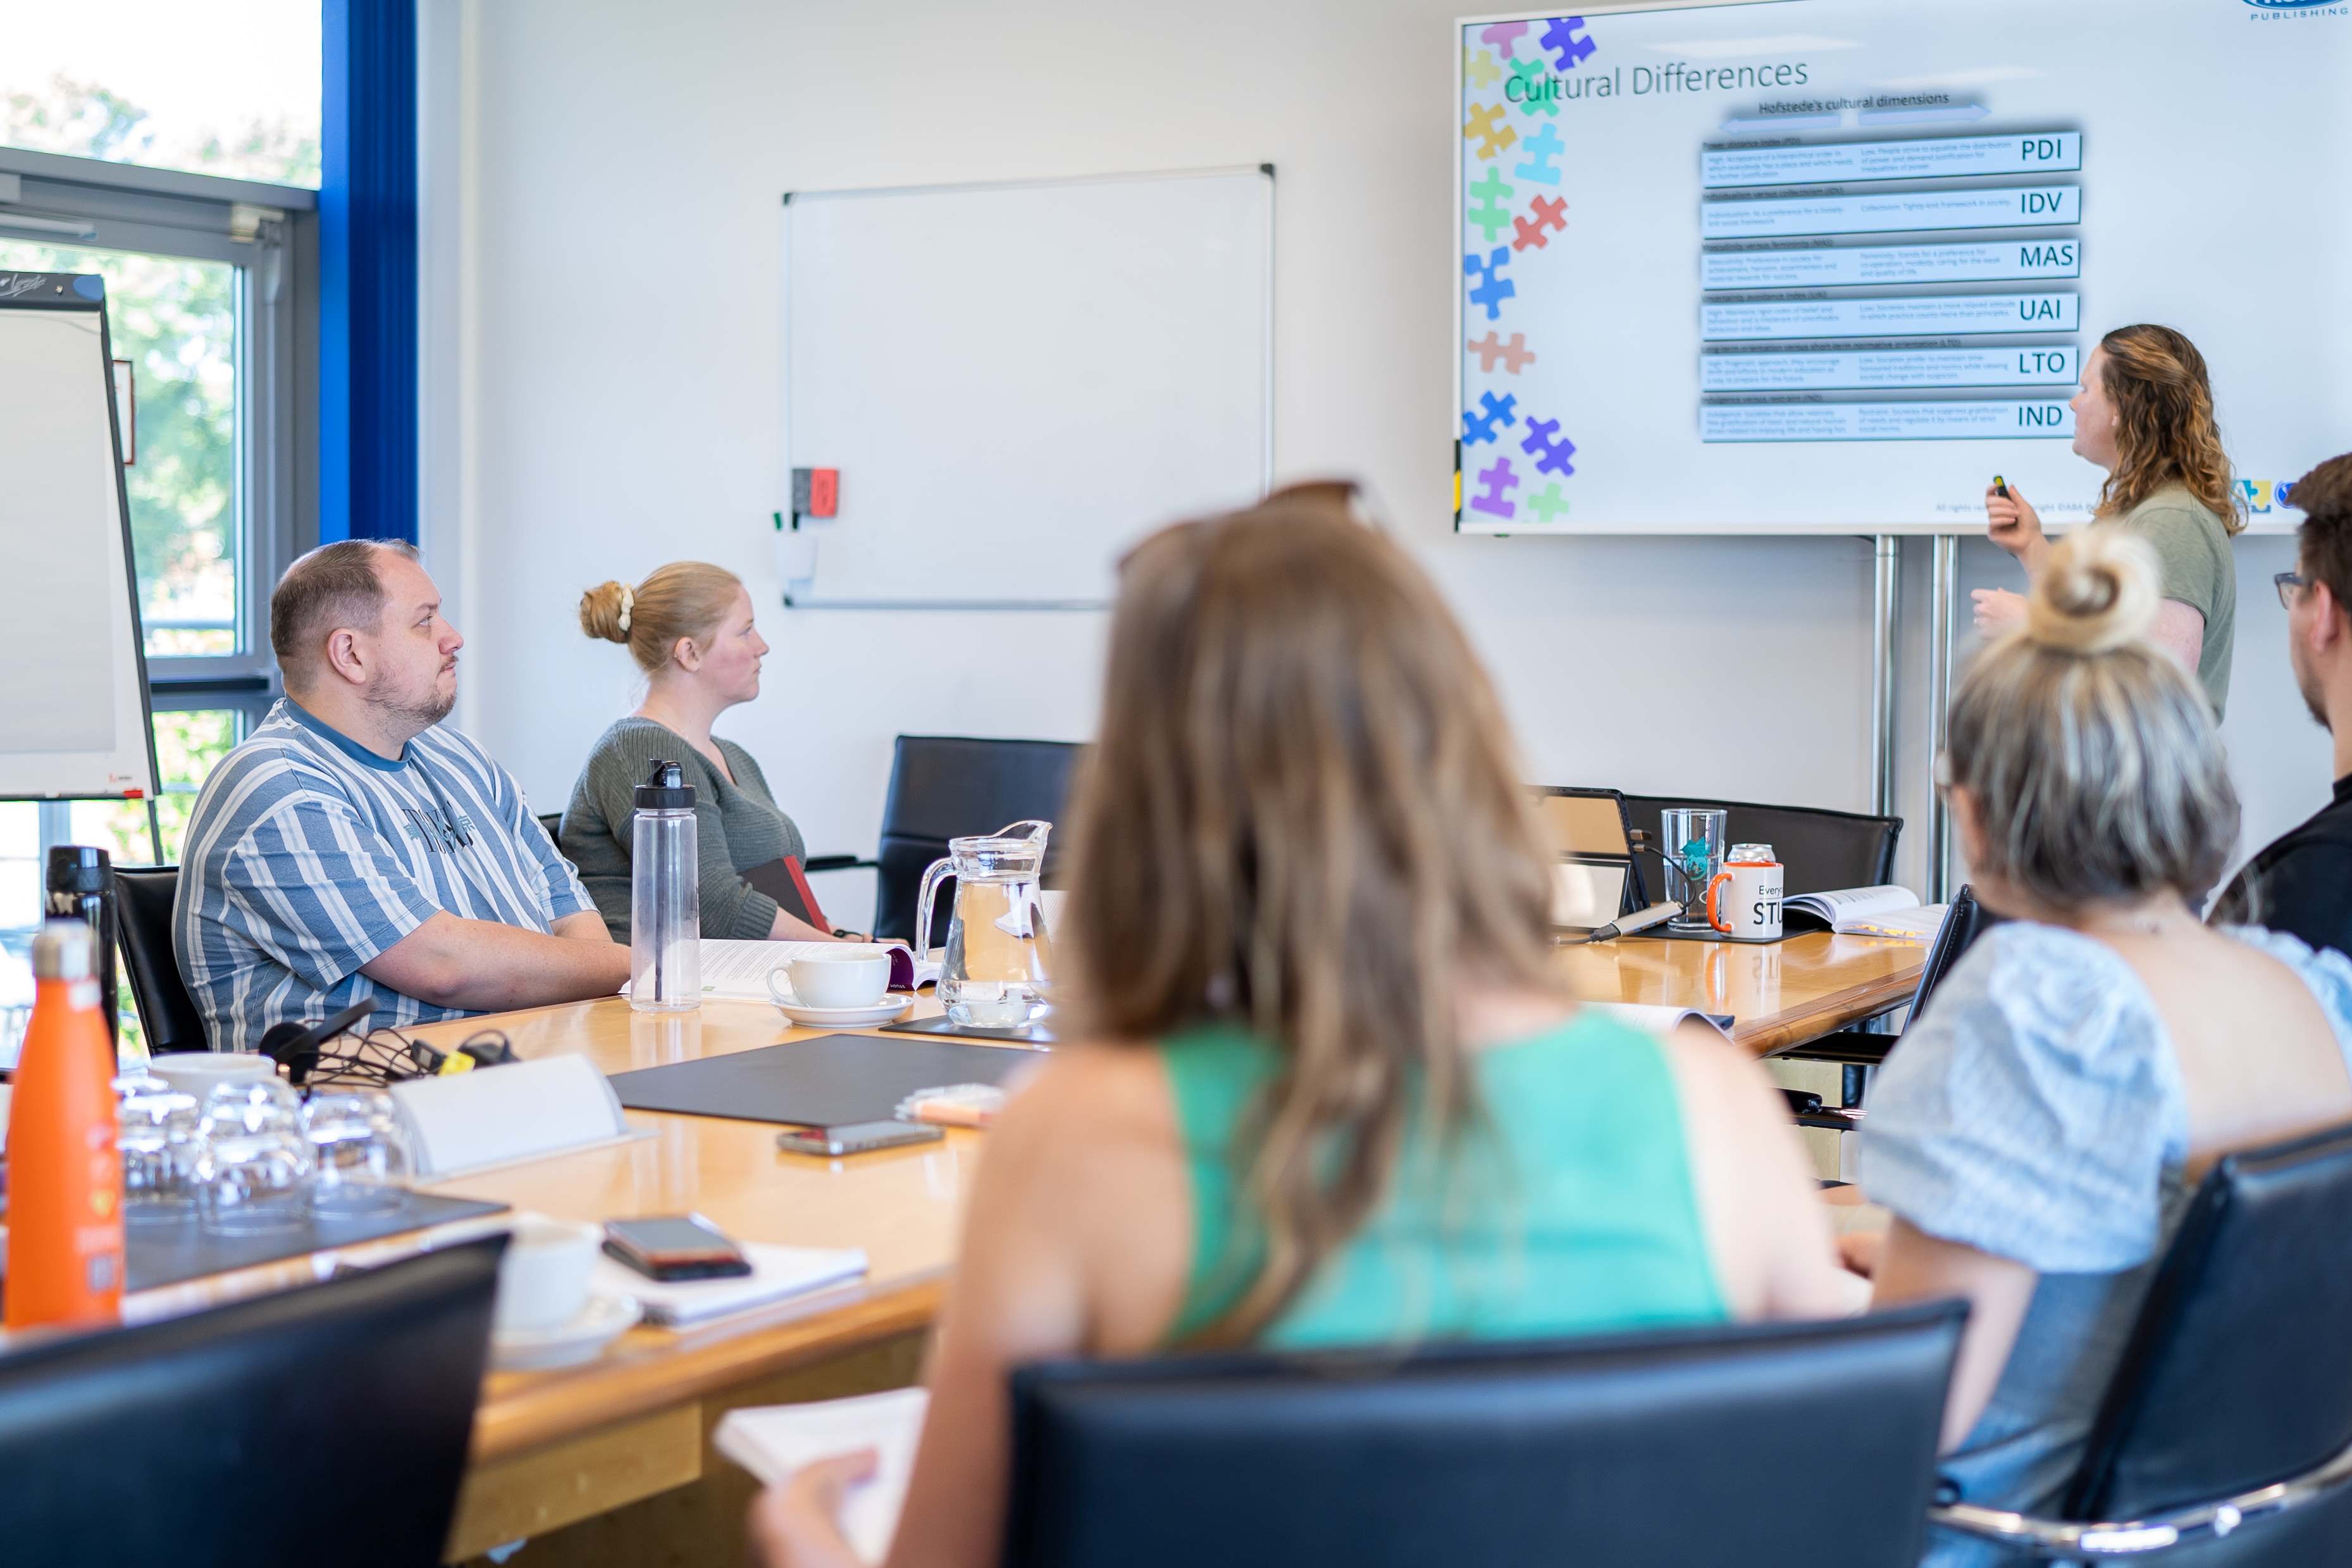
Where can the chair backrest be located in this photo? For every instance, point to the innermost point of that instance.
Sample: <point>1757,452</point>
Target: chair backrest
<point>1819,851</point>
<point>167,1014</point>
<point>1660,1447</point>
<point>323,1424</point>
<point>947,787</point>
<point>553,822</point>
<point>2239,1370</point>
<point>1964,922</point>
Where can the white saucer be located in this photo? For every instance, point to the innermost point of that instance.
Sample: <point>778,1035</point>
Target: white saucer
<point>890,1010</point>
<point>603,1320</point>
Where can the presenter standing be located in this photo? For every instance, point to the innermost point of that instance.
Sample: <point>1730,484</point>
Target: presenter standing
<point>2145,413</point>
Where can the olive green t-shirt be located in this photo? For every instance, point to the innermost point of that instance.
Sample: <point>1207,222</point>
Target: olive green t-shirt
<point>2193,546</point>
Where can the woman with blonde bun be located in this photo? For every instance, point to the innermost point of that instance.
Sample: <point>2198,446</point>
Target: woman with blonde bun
<point>2145,413</point>
<point>690,628</point>
<point>2037,1135</point>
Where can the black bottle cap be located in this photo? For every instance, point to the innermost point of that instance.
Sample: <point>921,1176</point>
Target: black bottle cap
<point>666,789</point>
<point>78,868</point>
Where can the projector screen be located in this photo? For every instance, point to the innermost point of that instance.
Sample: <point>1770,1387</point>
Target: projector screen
<point>1829,265</point>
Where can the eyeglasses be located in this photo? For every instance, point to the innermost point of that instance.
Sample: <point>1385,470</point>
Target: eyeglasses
<point>2286,581</point>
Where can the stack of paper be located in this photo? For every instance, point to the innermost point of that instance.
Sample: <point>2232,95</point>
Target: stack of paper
<point>774,1440</point>
<point>778,1273</point>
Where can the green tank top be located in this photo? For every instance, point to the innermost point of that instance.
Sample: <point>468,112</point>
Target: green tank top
<point>1571,1211</point>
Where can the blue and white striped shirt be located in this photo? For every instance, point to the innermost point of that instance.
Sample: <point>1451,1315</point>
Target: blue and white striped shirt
<point>308,855</point>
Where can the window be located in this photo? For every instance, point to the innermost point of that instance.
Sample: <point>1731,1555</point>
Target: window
<point>208,286</point>
<point>212,87</point>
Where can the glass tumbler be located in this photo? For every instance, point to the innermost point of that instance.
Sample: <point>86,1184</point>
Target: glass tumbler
<point>253,1162</point>
<point>359,1151</point>
<point>1690,842</point>
<point>157,1137</point>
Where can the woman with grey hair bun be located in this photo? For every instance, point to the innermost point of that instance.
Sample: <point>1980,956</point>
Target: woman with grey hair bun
<point>2039,1131</point>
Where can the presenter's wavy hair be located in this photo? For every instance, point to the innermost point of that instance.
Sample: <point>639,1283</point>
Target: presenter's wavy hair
<point>2091,755</point>
<point>2165,433</point>
<point>685,600</point>
<point>1304,818</point>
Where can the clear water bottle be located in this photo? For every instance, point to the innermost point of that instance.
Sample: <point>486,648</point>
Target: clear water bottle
<point>664,896</point>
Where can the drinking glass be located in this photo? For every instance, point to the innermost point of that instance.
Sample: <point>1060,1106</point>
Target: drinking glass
<point>156,1133</point>
<point>1690,841</point>
<point>253,1162</point>
<point>359,1151</point>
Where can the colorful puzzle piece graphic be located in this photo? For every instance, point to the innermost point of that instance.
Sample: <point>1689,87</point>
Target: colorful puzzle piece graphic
<point>1551,457</point>
<point>1478,68</point>
<point>1491,216</point>
<point>1479,427</point>
<point>1533,99</point>
<point>1516,355</point>
<point>1549,212</point>
<point>1504,36</point>
<point>1548,504</point>
<point>1486,129</point>
<point>1567,50</point>
<point>1546,145</point>
<point>1497,479</point>
<point>1493,286</point>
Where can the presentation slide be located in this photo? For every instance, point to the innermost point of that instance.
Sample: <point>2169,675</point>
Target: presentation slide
<point>1829,265</point>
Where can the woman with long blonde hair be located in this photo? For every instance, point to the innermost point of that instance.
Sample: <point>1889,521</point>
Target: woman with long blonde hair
<point>2145,413</point>
<point>1330,1089</point>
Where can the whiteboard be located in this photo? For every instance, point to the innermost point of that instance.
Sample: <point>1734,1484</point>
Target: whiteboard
<point>1807,266</point>
<point>1017,380</point>
<point>73,708</point>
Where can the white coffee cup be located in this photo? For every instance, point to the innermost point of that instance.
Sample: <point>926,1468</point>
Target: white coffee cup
<point>544,1278</point>
<point>199,1072</point>
<point>854,977</point>
<point>1743,902</point>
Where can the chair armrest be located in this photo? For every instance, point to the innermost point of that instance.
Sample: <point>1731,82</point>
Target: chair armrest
<point>835,862</point>
<point>2052,1540</point>
<point>1853,1047</point>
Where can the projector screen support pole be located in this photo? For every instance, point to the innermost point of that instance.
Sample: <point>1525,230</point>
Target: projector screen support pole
<point>1886,555</point>
<point>1943,606</point>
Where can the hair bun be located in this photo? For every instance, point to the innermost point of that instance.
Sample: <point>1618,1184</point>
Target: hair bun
<point>2096,593</point>
<point>599,612</point>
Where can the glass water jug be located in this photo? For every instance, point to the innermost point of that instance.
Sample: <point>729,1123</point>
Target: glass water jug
<point>995,972</point>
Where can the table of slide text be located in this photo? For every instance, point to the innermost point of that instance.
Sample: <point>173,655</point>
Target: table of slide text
<point>1911,289</point>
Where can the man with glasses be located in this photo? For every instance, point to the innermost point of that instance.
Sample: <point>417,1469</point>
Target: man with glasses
<point>2303,884</point>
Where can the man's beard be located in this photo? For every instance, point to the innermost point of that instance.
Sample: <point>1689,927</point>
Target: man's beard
<point>409,714</point>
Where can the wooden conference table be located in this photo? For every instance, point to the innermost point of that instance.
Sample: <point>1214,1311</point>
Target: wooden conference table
<point>610,1449</point>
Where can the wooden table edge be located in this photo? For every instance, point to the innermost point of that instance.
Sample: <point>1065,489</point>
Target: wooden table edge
<point>519,1420</point>
<point>1841,1009</point>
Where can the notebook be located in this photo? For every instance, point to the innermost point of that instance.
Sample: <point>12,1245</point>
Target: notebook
<point>1661,1020</point>
<point>737,971</point>
<point>774,1440</point>
<point>1868,912</point>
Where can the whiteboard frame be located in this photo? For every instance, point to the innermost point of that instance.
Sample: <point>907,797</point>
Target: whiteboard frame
<point>60,296</point>
<point>1662,530</point>
<point>1265,457</point>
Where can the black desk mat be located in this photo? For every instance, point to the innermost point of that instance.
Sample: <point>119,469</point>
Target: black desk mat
<point>1026,1034</point>
<point>827,1081</point>
<point>167,1254</point>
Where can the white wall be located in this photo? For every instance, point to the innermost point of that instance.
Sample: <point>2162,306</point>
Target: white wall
<point>617,367</point>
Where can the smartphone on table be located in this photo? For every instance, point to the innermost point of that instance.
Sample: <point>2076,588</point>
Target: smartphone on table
<point>857,1137</point>
<point>675,1247</point>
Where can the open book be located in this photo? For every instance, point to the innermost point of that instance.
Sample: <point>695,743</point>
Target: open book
<point>737,971</point>
<point>1869,912</point>
<point>773,1440</point>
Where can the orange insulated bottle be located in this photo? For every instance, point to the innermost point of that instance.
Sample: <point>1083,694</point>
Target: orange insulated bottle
<point>65,1178</point>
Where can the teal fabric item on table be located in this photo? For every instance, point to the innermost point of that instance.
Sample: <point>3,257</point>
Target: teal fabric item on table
<point>1570,1209</point>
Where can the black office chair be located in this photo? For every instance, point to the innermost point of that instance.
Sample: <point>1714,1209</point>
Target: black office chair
<point>553,822</point>
<point>167,1014</point>
<point>1860,1050</point>
<point>1633,1450</point>
<point>1819,851</point>
<point>2226,1436</point>
<point>324,1424</point>
<point>949,787</point>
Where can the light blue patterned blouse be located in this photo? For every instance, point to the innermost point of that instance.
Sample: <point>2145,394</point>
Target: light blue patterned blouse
<point>2035,1111</point>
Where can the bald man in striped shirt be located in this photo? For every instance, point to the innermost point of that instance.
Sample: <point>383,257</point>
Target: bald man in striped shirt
<point>353,847</point>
